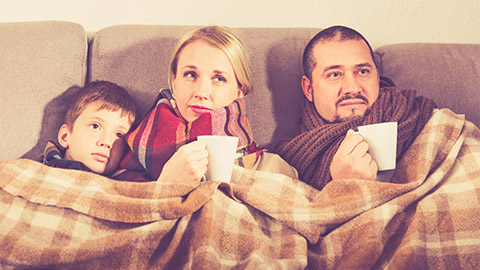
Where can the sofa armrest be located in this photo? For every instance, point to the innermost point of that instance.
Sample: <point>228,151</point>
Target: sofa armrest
<point>38,62</point>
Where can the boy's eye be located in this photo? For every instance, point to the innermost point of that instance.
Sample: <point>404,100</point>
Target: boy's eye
<point>95,126</point>
<point>119,135</point>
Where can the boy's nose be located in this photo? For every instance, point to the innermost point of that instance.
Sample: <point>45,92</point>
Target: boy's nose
<point>105,145</point>
<point>106,141</point>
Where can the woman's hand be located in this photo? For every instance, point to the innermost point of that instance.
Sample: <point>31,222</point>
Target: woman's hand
<point>187,165</point>
<point>352,159</point>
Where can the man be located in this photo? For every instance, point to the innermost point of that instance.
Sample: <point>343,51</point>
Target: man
<point>343,90</point>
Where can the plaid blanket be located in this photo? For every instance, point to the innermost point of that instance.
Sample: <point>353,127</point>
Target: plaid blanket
<point>427,218</point>
<point>163,131</point>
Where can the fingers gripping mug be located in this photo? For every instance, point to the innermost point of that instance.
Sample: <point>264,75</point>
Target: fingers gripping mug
<point>382,142</point>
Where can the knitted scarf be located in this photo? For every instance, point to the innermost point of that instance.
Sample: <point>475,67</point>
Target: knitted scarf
<point>311,152</point>
<point>163,131</point>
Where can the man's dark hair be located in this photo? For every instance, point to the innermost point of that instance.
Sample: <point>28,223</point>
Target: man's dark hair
<point>333,33</point>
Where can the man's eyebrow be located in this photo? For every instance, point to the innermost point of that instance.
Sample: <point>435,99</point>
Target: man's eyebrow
<point>364,65</point>
<point>331,67</point>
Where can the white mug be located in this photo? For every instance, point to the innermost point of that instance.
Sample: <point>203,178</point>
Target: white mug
<point>382,142</point>
<point>221,156</point>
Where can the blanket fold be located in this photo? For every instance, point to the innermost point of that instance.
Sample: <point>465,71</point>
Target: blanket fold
<point>427,218</point>
<point>92,194</point>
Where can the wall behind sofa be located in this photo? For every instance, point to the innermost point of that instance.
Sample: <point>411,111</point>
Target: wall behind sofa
<point>383,22</point>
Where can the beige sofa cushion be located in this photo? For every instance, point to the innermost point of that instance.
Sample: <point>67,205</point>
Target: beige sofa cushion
<point>39,61</point>
<point>137,56</point>
<point>447,73</point>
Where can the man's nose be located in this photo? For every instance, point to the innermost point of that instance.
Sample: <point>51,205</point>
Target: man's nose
<point>351,85</point>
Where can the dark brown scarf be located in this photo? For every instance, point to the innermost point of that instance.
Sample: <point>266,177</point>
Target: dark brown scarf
<point>312,151</point>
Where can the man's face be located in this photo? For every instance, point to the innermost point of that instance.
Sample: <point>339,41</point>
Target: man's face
<point>345,81</point>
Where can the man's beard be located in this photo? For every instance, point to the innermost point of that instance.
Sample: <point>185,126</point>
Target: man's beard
<point>339,119</point>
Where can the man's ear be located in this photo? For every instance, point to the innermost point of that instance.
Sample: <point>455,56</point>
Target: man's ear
<point>63,136</point>
<point>307,88</point>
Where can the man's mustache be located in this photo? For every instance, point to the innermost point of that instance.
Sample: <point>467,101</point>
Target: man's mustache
<point>357,96</point>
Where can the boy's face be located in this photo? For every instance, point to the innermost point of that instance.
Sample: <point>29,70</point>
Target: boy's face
<point>96,138</point>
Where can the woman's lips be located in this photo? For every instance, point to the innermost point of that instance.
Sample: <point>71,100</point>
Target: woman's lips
<point>199,109</point>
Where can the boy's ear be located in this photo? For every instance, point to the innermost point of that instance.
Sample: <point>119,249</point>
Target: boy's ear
<point>63,135</point>
<point>307,88</point>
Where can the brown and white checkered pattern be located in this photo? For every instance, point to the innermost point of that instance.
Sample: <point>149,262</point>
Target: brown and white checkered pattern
<point>428,217</point>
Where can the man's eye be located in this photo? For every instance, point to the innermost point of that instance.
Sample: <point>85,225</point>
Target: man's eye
<point>334,75</point>
<point>364,71</point>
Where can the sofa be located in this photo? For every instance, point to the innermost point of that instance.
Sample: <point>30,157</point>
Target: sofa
<point>42,62</point>
<point>50,218</point>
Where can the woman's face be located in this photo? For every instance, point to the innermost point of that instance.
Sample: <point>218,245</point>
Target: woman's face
<point>204,80</point>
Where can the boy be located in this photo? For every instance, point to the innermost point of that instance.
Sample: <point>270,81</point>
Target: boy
<point>99,116</point>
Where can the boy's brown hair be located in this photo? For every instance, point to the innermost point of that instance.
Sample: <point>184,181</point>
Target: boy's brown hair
<point>114,98</point>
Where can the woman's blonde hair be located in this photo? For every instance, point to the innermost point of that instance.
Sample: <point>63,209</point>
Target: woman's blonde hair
<point>224,39</point>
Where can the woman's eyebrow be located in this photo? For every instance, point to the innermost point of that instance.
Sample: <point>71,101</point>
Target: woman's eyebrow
<point>189,66</point>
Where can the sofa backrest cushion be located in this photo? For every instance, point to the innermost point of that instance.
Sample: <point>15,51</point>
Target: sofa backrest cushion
<point>137,56</point>
<point>447,73</point>
<point>39,61</point>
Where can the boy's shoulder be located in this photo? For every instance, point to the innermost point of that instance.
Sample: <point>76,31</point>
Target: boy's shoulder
<point>53,156</point>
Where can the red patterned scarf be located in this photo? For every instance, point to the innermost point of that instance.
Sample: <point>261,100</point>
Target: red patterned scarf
<point>163,131</point>
<point>312,151</point>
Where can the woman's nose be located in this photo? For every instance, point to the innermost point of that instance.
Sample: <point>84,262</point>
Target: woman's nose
<point>203,90</point>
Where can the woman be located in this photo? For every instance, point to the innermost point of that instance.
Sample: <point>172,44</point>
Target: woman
<point>208,78</point>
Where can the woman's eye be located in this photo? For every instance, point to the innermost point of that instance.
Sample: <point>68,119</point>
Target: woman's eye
<point>219,79</point>
<point>190,74</point>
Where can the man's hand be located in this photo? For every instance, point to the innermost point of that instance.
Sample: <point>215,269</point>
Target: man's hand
<point>352,159</point>
<point>187,165</point>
